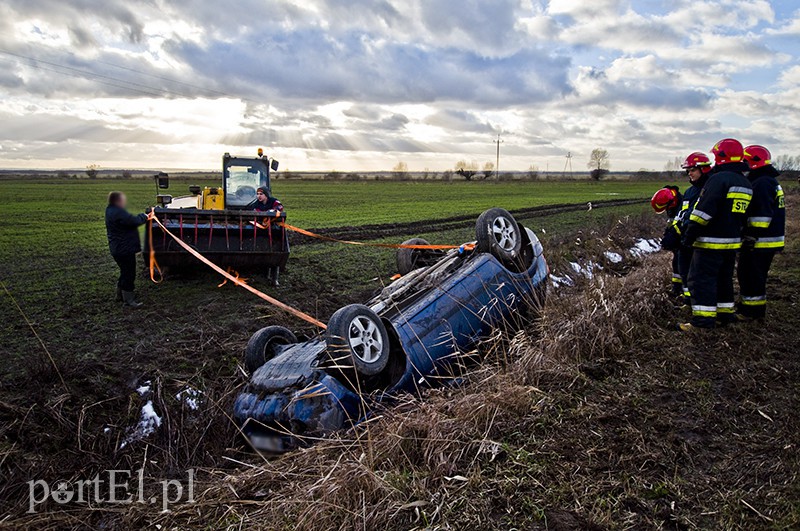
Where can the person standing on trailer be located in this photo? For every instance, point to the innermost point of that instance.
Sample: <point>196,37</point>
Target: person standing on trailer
<point>267,203</point>
<point>764,233</point>
<point>122,229</point>
<point>697,166</point>
<point>715,232</point>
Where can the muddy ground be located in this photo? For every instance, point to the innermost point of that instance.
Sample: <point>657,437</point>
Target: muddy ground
<point>601,417</point>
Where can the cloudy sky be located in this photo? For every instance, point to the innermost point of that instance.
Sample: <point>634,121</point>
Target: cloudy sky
<point>363,84</point>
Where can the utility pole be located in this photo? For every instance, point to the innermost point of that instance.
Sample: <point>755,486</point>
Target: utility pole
<point>497,162</point>
<point>568,163</point>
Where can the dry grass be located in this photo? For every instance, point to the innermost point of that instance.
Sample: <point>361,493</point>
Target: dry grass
<point>597,417</point>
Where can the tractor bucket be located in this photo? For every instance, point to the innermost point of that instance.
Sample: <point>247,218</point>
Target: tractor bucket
<point>245,240</point>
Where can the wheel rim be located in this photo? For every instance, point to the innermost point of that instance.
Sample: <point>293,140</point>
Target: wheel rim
<point>269,348</point>
<point>365,339</point>
<point>504,233</point>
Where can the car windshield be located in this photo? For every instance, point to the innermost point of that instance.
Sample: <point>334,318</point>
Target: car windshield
<point>242,183</point>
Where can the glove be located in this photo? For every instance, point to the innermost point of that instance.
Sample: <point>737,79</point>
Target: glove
<point>748,243</point>
<point>671,240</point>
<point>690,235</point>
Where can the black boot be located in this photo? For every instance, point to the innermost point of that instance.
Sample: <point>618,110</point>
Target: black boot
<point>130,300</point>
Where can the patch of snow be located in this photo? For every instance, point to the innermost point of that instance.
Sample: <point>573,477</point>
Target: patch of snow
<point>558,281</point>
<point>585,271</point>
<point>191,397</point>
<point>149,421</point>
<point>144,388</point>
<point>643,247</point>
<point>613,257</point>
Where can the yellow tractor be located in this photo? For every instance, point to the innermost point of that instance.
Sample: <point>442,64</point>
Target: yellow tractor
<point>221,223</point>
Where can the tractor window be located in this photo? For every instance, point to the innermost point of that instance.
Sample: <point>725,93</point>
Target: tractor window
<point>242,184</point>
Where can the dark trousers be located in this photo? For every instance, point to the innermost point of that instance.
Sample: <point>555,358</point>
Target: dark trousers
<point>677,283</point>
<point>753,270</point>
<point>684,261</point>
<point>127,271</point>
<point>711,284</point>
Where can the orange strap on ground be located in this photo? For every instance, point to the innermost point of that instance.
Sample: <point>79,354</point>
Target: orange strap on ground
<point>235,279</point>
<point>304,232</point>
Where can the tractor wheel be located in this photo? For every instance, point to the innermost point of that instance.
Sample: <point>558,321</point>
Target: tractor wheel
<point>499,234</point>
<point>358,344</point>
<point>264,344</point>
<point>410,259</point>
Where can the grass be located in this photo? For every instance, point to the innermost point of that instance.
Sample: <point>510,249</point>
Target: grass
<point>600,418</point>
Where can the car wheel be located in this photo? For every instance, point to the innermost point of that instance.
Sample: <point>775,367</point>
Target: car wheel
<point>499,234</point>
<point>410,259</point>
<point>264,344</point>
<point>357,339</point>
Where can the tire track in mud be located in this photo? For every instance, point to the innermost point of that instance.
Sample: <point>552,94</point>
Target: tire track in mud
<point>377,231</point>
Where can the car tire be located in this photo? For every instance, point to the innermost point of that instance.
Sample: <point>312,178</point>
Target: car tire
<point>499,234</point>
<point>357,342</point>
<point>407,258</point>
<point>263,346</point>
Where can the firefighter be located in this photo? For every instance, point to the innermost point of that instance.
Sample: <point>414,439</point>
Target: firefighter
<point>715,231</point>
<point>697,166</point>
<point>669,200</point>
<point>123,242</point>
<point>763,234</point>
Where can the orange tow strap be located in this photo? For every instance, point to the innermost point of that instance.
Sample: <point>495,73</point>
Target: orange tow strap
<point>235,279</point>
<point>465,246</point>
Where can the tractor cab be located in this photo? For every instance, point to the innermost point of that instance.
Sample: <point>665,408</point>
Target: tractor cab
<point>221,221</point>
<point>241,177</point>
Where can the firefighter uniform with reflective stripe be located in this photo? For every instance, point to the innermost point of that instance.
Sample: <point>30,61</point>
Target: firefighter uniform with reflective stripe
<point>715,231</point>
<point>690,198</point>
<point>671,241</point>
<point>764,231</point>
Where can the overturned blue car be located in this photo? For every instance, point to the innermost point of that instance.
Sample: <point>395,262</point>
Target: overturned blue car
<point>406,338</point>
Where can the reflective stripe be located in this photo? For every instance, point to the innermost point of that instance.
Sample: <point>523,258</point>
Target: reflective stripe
<point>725,307</point>
<point>707,242</point>
<point>754,301</point>
<point>685,205</point>
<point>740,190</point>
<point>698,216</point>
<point>735,195</point>
<point>687,293</point>
<point>677,279</point>
<point>770,243</point>
<point>759,222</point>
<point>704,313</point>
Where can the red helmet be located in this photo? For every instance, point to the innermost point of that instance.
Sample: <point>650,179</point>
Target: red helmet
<point>697,160</point>
<point>664,199</point>
<point>757,156</point>
<point>728,150</point>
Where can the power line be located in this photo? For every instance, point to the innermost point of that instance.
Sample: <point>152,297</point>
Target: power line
<point>91,74</point>
<point>164,78</point>
<point>124,87</point>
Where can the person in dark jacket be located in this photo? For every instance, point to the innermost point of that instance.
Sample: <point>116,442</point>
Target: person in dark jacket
<point>715,232</point>
<point>265,202</point>
<point>697,166</point>
<point>763,235</point>
<point>123,242</point>
<point>668,199</point>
